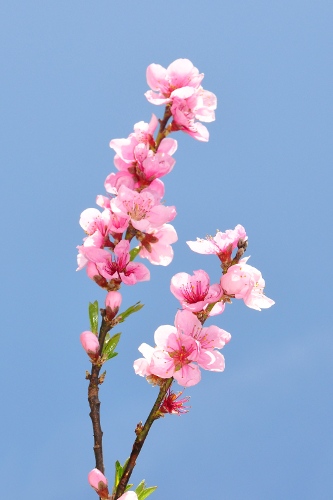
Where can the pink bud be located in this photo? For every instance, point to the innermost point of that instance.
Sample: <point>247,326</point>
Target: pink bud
<point>90,344</point>
<point>112,304</point>
<point>98,481</point>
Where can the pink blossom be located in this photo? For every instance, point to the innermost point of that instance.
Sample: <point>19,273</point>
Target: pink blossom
<point>210,337</point>
<point>90,344</point>
<point>245,282</point>
<point>156,246</point>
<point>173,357</point>
<point>189,104</point>
<point>136,155</point>
<point>98,481</point>
<point>222,244</point>
<point>180,347</point>
<point>143,134</point>
<point>143,208</point>
<point>102,201</point>
<point>179,87</point>
<point>180,73</point>
<point>194,292</point>
<point>113,182</point>
<point>96,225</point>
<point>92,220</point>
<point>142,365</point>
<point>116,267</point>
<point>172,404</point>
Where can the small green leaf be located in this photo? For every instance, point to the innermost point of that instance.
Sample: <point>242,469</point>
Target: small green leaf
<point>118,473</point>
<point>110,345</point>
<point>132,309</point>
<point>112,355</point>
<point>146,492</point>
<point>140,487</point>
<point>134,252</point>
<point>128,487</point>
<point>93,316</point>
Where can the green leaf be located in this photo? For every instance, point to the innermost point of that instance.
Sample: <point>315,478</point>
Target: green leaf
<point>111,355</point>
<point>146,492</point>
<point>140,487</point>
<point>134,252</point>
<point>118,473</point>
<point>128,487</point>
<point>93,316</point>
<point>132,309</point>
<point>110,345</point>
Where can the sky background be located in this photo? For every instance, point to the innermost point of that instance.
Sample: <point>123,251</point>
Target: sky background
<point>73,78</point>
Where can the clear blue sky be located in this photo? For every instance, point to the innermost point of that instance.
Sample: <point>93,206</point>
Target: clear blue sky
<point>73,77</point>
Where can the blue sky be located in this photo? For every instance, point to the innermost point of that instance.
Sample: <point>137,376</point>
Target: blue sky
<point>73,77</point>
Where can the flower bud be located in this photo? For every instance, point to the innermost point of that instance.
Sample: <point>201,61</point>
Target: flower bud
<point>90,344</point>
<point>98,481</point>
<point>112,304</point>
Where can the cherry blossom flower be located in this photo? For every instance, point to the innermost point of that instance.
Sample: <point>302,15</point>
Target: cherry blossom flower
<point>116,267</point>
<point>96,225</point>
<point>245,282</point>
<point>136,156</point>
<point>180,347</point>
<point>194,292</point>
<point>142,208</point>
<point>174,355</point>
<point>156,246</point>
<point>142,365</point>
<point>180,73</point>
<point>178,87</point>
<point>222,244</point>
<point>98,481</point>
<point>188,105</point>
<point>210,337</point>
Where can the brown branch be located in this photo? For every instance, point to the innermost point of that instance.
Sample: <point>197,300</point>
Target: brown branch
<point>163,132</point>
<point>94,402</point>
<point>142,433</point>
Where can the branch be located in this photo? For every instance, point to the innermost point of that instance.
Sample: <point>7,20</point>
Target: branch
<point>141,433</point>
<point>163,132</point>
<point>94,402</point>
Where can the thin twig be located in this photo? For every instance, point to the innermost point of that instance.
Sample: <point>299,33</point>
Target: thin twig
<point>142,433</point>
<point>163,132</point>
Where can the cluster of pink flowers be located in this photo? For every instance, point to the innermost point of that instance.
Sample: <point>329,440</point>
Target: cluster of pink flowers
<point>179,88</point>
<point>133,210</point>
<point>241,281</point>
<point>183,349</point>
<point>133,207</point>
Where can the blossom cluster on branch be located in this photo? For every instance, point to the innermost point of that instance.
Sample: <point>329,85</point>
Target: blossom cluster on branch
<point>133,222</point>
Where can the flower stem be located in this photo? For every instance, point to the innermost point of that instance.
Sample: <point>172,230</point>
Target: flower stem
<point>141,432</point>
<point>162,131</point>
